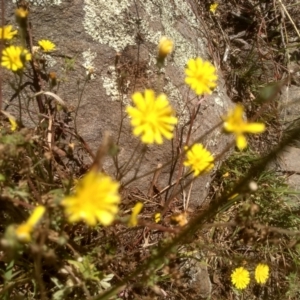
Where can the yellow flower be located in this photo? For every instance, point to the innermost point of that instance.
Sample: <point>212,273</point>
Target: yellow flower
<point>240,278</point>
<point>201,76</point>
<point>180,219</point>
<point>95,200</point>
<point>235,123</point>
<point>199,159</point>
<point>165,47</point>
<point>14,58</point>
<point>23,231</point>
<point>261,273</point>
<point>7,33</point>
<point>135,211</point>
<point>213,7</point>
<point>46,45</point>
<point>152,118</point>
<point>21,13</point>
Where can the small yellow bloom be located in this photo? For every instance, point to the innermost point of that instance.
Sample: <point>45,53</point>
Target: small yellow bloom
<point>213,7</point>
<point>46,45</point>
<point>157,217</point>
<point>235,123</point>
<point>199,159</point>
<point>14,58</point>
<point>134,215</point>
<point>23,231</point>
<point>240,278</point>
<point>152,118</point>
<point>261,273</point>
<point>165,47</point>
<point>201,76</point>
<point>180,219</point>
<point>7,33</point>
<point>21,13</point>
<point>95,200</point>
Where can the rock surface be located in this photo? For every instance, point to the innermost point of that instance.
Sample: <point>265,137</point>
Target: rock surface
<point>118,40</point>
<point>289,160</point>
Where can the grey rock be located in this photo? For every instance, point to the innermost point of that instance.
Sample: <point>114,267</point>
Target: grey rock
<point>119,40</point>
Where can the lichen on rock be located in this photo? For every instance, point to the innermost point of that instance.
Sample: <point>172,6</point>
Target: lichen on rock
<point>42,2</point>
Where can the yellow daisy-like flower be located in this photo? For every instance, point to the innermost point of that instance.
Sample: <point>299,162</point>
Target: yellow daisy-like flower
<point>201,76</point>
<point>14,58</point>
<point>7,33</point>
<point>23,231</point>
<point>95,200</point>
<point>240,278</point>
<point>46,45</point>
<point>199,159</point>
<point>165,47</point>
<point>261,273</point>
<point>134,215</point>
<point>152,118</point>
<point>213,7</point>
<point>235,123</point>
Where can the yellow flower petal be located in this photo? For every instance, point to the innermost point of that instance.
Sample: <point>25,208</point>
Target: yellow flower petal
<point>201,76</point>
<point>7,33</point>
<point>213,7</point>
<point>261,273</point>
<point>240,278</point>
<point>165,47</point>
<point>152,117</point>
<point>234,122</point>
<point>241,141</point>
<point>134,215</point>
<point>95,200</point>
<point>46,45</point>
<point>23,231</point>
<point>14,58</point>
<point>255,127</point>
<point>21,13</point>
<point>13,123</point>
<point>157,217</point>
<point>199,159</point>
<point>36,215</point>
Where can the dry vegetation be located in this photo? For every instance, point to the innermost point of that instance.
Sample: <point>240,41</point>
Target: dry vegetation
<point>248,219</point>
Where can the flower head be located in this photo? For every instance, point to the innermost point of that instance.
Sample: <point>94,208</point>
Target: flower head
<point>165,47</point>
<point>152,118</point>
<point>179,219</point>
<point>201,76</point>
<point>95,200</point>
<point>46,45</point>
<point>21,13</point>
<point>23,231</point>
<point>6,32</point>
<point>14,58</point>
<point>199,159</point>
<point>134,215</point>
<point>213,7</point>
<point>261,273</point>
<point>240,278</point>
<point>235,123</point>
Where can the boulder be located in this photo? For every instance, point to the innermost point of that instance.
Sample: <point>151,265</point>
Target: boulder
<point>117,41</point>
